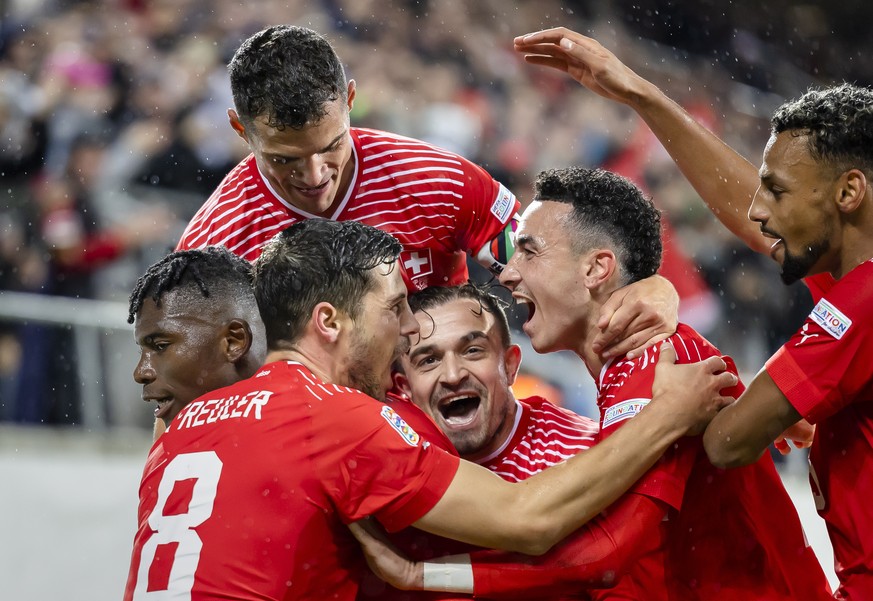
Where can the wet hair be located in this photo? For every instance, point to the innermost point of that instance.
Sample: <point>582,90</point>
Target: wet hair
<point>838,121</point>
<point>211,273</point>
<point>436,296</point>
<point>607,211</point>
<point>314,261</point>
<point>288,75</point>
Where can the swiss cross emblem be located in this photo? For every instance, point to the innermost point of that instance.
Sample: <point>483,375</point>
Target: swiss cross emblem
<point>417,263</point>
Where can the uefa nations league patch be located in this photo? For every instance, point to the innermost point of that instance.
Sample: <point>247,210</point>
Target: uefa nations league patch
<point>409,435</point>
<point>830,319</point>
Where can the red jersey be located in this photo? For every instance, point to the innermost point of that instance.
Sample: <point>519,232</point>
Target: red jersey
<point>247,493</point>
<point>733,534</point>
<point>729,534</point>
<point>543,435</point>
<point>439,205</point>
<point>826,372</point>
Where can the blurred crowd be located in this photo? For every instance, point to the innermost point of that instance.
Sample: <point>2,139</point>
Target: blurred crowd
<point>114,131</point>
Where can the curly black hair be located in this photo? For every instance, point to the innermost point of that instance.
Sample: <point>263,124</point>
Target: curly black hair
<point>314,261</point>
<point>838,121</point>
<point>288,75</point>
<point>211,271</point>
<point>608,210</point>
<point>436,296</point>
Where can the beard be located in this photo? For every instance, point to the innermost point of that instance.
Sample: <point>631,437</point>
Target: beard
<point>795,267</point>
<point>363,374</point>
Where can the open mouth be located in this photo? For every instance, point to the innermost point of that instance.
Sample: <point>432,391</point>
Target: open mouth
<point>460,411</point>
<point>163,405</point>
<point>524,302</point>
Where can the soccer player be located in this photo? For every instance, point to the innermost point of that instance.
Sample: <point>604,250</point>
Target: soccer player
<point>459,370</point>
<point>197,327</point>
<point>686,530</point>
<point>812,214</point>
<point>246,493</point>
<point>292,104</point>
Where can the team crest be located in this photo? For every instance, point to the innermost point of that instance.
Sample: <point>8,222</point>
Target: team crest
<point>417,263</point>
<point>392,417</point>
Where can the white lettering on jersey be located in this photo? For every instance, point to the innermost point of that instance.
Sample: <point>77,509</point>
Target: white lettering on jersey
<point>210,411</point>
<point>503,204</point>
<point>622,411</point>
<point>830,319</point>
<point>409,435</point>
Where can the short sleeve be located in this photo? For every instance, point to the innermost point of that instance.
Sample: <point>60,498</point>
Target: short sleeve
<point>829,361</point>
<point>373,463</point>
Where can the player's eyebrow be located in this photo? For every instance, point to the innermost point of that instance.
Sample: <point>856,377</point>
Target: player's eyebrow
<point>524,240</point>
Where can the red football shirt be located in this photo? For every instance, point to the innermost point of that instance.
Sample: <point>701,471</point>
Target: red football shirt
<point>439,205</point>
<point>543,435</point>
<point>247,493</point>
<point>826,372</point>
<point>734,533</point>
<point>731,534</point>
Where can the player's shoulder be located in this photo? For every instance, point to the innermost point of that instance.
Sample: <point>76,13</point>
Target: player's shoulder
<point>690,345</point>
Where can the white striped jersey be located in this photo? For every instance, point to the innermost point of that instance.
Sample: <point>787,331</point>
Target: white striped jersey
<point>439,205</point>
<point>543,435</point>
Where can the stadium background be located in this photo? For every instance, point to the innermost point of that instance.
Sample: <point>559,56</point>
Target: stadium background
<point>113,125</point>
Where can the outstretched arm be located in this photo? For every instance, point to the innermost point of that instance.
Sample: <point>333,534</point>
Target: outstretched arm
<point>596,556</point>
<point>724,180</point>
<point>531,516</point>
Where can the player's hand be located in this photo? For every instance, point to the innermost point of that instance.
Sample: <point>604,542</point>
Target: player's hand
<point>691,393</point>
<point>800,435</point>
<point>636,317</point>
<point>585,60</point>
<point>385,560</point>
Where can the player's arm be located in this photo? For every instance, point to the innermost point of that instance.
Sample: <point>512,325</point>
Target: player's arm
<point>724,180</point>
<point>741,432</point>
<point>637,316</point>
<point>595,556</point>
<point>531,516</point>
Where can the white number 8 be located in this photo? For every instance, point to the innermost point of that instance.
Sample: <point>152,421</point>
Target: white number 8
<point>205,469</point>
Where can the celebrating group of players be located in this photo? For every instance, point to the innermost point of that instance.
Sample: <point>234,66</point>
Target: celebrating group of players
<point>280,471</point>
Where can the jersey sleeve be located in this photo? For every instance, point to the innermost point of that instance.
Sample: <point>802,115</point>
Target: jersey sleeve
<point>484,211</point>
<point>378,465</point>
<point>595,556</point>
<point>827,363</point>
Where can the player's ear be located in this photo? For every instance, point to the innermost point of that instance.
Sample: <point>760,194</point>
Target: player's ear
<point>351,94</point>
<point>597,267</point>
<point>237,125</point>
<point>327,322</point>
<point>401,383</point>
<point>851,190</point>
<point>512,360</point>
<point>237,339</point>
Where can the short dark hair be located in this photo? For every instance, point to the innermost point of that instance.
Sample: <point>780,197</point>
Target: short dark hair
<point>313,261</point>
<point>436,296</point>
<point>608,210</point>
<point>838,121</point>
<point>286,74</point>
<point>213,272</point>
